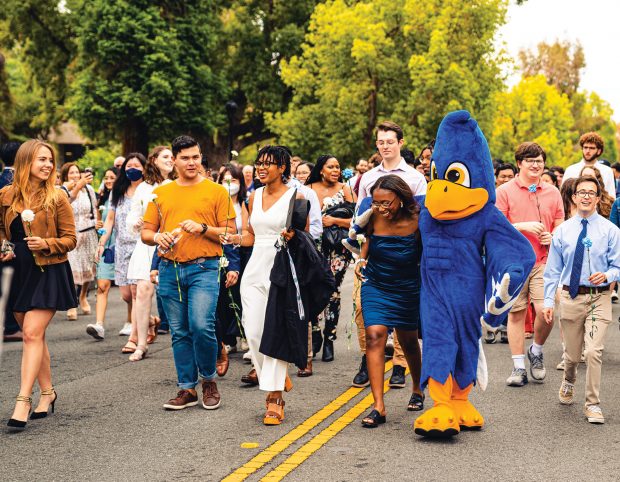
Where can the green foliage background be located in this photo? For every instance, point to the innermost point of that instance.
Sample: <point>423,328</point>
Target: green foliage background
<point>316,75</point>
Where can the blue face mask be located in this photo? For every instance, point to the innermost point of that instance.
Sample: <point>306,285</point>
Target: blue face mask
<point>133,174</point>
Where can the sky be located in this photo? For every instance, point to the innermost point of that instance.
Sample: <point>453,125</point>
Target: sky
<point>595,23</point>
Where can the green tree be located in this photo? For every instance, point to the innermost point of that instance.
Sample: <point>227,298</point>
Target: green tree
<point>39,35</point>
<point>256,36</point>
<point>145,71</point>
<point>560,62</point>
<point>141,73</point>
<point>591,113</point>
<point>534,111</point>
<point>409,60</point>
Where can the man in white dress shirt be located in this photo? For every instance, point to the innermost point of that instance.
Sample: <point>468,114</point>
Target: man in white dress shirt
<point>592,146</point>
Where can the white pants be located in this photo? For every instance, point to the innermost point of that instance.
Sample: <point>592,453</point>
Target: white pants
<point>271,371</point>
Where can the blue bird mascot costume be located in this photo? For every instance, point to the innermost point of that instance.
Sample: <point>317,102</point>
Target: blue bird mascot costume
<point>474,263</point>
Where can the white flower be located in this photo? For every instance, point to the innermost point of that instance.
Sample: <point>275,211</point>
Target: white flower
<point>234,154</point>
<point>361,239</point>
<point>223,262</point>
<point>27,216</point>
<point>328,202</point>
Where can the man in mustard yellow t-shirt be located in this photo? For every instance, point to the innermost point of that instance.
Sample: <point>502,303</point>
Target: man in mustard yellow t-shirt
<point>185,221</point>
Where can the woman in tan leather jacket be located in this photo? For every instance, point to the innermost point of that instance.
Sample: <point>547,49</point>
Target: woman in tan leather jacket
<point>38,220</point>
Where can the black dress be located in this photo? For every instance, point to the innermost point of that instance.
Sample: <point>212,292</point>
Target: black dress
<point>32,288</point>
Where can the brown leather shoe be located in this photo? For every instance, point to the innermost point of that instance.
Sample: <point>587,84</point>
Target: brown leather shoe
<point>210,396</point>
<point>305,372</point>
<point>251,378</point>
<point>221,364</point>
<point>184,399</point>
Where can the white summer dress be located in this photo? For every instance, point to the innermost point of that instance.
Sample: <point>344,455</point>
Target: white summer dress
<point>140,263</point>
<point>255,284</point>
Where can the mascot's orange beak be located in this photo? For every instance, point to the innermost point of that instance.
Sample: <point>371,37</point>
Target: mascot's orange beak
<point>448,201</point>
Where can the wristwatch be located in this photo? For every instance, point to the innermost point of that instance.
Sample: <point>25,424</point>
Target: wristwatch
<point>205,228</point>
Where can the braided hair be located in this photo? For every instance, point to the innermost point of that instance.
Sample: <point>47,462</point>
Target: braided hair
<point>281,155</point>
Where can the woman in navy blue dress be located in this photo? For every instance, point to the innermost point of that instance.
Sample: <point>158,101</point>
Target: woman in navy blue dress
<point>389,267</point>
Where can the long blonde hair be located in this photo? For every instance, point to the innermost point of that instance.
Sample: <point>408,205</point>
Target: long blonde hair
<point>46,194</point>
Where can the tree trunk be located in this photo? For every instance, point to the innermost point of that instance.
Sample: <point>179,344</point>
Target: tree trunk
<point>135,137</point>
<point>245,134</point>
<point>372,115</point>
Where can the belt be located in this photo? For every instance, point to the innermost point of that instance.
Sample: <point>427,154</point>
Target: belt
<point>194,261</point>
<point>584,290</point>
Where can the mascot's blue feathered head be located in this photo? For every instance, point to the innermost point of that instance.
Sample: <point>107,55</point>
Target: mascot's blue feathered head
<point>462,180</point>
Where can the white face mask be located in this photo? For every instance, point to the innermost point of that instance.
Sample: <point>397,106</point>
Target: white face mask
<point>233,188</point>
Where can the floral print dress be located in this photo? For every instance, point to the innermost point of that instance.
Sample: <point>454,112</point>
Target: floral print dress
<point>339,260</point>
<point>82,258</point>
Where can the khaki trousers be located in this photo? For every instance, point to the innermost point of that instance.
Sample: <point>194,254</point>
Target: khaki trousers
<point>580,329</point>
<point>399,356</point>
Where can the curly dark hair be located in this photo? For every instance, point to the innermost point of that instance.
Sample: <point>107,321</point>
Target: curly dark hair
<point>592,138</point>
<point>281,155</point>
<point>391,182</point>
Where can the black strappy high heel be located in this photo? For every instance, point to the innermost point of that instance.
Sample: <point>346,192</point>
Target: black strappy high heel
<point>19,424</point>
<point>38,415</point>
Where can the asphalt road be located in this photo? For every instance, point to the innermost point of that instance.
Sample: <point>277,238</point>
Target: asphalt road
<point>109,422</point>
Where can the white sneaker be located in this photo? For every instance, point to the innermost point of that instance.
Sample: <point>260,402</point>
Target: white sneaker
<point>614,297</point>
<point>594,414</point>
<point>126,330</point>
<point>244,345</point>
<point>247,357</point>
<point>96,331</point>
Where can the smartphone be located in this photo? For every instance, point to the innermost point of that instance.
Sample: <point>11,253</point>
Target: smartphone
<point>7,247</point>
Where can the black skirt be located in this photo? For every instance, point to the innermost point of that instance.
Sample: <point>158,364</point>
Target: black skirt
<point>49,287</point>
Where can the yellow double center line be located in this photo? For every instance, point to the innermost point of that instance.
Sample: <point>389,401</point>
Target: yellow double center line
<point>297,458</point>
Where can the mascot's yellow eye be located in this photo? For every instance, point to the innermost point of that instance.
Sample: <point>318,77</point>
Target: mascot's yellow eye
<point>458,174</point>
<point>433,172</point>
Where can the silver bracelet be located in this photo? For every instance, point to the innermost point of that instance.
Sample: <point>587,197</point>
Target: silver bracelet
<point>240,241</point>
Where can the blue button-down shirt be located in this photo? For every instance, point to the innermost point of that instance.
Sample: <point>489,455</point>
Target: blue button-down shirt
<point>603,256</point>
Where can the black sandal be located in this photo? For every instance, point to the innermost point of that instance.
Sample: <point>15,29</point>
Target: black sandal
<point>373,419</point>
<point>416,403</point>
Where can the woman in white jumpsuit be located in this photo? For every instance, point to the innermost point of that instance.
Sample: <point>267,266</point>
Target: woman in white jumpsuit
<point>268,212</point>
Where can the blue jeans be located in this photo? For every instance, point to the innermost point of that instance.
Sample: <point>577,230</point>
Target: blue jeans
<point>160,310</point>
<point>189,293</point>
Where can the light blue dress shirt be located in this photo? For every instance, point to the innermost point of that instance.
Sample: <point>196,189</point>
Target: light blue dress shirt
<point>603,256</point>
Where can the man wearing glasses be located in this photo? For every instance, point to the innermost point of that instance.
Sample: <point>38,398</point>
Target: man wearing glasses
<point>535,209</point>
<point>584,259</point>
<point>592,146</point>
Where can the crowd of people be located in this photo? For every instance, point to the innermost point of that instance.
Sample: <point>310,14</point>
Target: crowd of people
<point>252,260</point>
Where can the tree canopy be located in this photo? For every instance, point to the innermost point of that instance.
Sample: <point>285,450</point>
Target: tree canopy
<point>317,75</point>
<point>411,61</point>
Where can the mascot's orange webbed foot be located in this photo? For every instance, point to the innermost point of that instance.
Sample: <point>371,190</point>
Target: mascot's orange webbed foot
<point>441,420</point>
<point>468,417</point>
